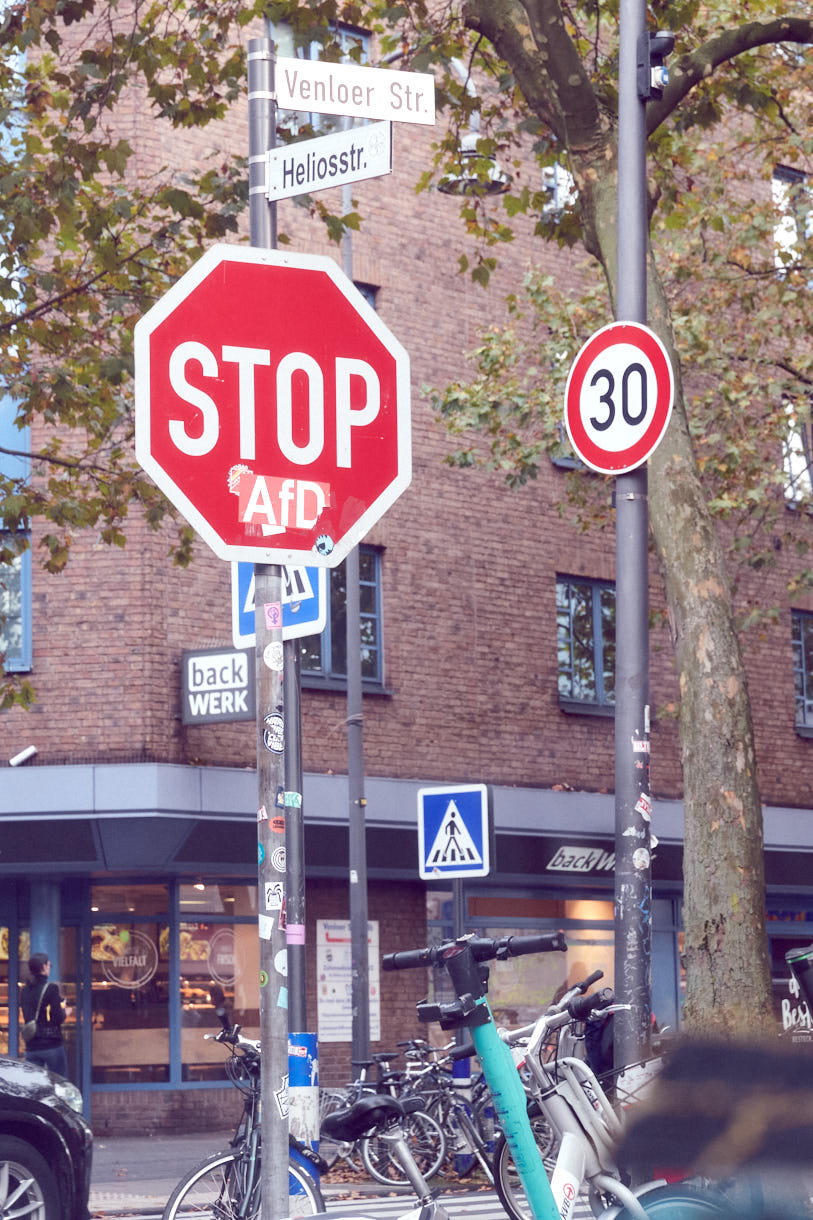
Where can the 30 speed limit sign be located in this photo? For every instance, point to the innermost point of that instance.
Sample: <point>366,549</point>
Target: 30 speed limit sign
<point>618,398</point>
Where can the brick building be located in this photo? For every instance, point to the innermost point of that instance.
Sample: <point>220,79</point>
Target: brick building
<point>130,826</point>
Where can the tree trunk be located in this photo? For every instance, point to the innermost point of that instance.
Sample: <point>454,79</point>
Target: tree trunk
<point>728,986</point>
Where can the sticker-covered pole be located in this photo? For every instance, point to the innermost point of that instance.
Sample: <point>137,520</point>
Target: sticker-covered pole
<point>273,955</point>
<point>633,931</point>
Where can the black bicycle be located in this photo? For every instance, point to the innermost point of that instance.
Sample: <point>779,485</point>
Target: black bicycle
<point>226,1186</point>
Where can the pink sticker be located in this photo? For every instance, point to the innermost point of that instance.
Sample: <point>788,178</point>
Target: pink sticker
<point>273,615</point>
<point>295,934</point>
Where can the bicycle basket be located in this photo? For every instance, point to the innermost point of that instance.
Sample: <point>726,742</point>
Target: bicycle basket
<point>636,1081</point>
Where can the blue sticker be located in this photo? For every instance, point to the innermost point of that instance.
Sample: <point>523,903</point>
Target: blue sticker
<point>260,853</point>
<point>282,998</point>
<point>324,544</point>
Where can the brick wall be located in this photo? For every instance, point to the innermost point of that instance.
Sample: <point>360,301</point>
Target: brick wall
<point>469,567</point>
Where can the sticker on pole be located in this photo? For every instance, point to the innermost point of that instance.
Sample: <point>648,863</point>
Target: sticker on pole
<point>618,398</point>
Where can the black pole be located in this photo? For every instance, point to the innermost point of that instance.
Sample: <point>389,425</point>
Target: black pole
<point>270,722</point>
<point>633,884</point>
<point>357,846</point>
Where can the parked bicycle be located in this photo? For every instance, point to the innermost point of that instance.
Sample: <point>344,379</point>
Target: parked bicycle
<point>461,1105</point>
<point>574,1097</point>
<point>227,1184</point>
<point>421,1131</point>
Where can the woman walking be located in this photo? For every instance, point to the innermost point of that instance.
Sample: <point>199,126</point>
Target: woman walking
<point>42,1002</point>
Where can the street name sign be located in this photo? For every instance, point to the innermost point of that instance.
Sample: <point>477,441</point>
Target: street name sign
<point>455,832</point>
<point>618,398</point>
<point>350,89</point>
<point>304,603</point>
<point>272,406</point>
<point>316,165</point>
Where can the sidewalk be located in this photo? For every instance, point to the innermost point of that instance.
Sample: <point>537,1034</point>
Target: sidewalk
<point>137,1174</point>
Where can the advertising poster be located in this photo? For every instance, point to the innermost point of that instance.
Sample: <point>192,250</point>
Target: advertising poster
<point>334,974</point>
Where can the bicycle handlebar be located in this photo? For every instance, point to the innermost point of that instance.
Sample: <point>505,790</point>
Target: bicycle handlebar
<point>483,949</point>
<point>581,1007</point>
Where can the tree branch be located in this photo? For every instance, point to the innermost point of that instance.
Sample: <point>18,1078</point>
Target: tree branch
<point>531,36</point>
<point>698,65</point>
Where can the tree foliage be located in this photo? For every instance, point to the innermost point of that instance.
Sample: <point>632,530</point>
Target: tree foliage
<point>90,241</point>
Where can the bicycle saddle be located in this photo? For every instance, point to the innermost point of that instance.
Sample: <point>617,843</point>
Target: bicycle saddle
<point>366,1114</point>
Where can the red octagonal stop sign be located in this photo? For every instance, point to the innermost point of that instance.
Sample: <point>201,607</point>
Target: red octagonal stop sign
<point>272,406</point>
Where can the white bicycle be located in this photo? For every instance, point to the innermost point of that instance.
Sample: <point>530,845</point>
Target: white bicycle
<point>569,1101</point>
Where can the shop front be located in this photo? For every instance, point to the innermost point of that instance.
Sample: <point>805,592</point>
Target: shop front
<point>149,915</point>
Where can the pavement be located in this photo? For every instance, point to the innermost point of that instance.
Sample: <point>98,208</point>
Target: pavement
<point>135,1175</point>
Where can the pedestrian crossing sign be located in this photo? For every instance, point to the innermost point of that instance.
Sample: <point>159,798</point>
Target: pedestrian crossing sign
<point>455,830</point>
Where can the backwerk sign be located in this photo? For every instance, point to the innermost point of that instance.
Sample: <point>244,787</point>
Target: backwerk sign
<point>218,686</point>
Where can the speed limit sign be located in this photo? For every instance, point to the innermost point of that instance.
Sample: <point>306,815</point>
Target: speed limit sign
<point>618,398</point>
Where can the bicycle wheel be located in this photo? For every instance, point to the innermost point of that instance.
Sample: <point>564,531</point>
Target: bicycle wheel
<point>216,1188</point>
<point>680,1202</point>
<point>426,1142</point>
<point>506,1179</point>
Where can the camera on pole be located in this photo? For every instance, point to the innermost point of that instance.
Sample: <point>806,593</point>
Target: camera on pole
<point>653,74</point>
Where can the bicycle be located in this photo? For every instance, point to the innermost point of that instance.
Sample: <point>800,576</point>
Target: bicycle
<point>567,1100</point>
<point>462,1106</point>
<point>423,1133</point>
<point>226,1186</point>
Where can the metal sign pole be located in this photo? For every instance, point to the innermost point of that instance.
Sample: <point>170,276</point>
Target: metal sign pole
<point>270,725</point>
<point>357,837</point>
<point>633,928</point>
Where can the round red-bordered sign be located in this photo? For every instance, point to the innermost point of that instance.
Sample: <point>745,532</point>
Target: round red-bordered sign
<point>618,398</point>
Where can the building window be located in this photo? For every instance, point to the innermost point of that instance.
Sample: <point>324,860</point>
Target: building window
<point>560,190</point>
<point>324,657</point>
<point>793,204</point>
<point>802,634</point>
<point>355,47</point>
<point>15,575</point>
<point>585,641</point>
<point>798,450</point>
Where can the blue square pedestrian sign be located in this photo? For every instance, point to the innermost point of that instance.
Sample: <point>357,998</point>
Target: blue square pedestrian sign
<point>455,831</point>
<point>304,603</point>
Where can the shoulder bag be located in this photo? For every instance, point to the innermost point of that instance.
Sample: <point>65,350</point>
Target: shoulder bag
<point>28,1030</point>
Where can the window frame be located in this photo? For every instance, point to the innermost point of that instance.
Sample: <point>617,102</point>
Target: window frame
<point>328,678</point>
<point>345,34</point>
<point>602,705</point>
<point>804,726</point>
<point>18,440</point>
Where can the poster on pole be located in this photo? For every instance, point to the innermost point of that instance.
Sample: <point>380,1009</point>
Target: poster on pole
<point>334,973</point>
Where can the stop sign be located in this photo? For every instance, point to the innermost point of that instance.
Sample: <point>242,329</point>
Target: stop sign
<point>272,406</point>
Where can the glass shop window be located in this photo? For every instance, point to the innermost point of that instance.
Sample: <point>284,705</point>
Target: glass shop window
<point>220,968</point>
<point>520,988</point>
<point>130,1002</point>
<point>216,898</point>
<point>150,899</point>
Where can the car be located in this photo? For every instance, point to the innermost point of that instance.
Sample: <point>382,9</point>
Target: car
<point>46,1145</point>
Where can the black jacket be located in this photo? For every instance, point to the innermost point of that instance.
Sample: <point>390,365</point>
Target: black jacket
<point>51,1014</point>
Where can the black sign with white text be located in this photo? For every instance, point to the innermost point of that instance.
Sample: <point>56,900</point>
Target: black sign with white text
<point>218,686</point>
